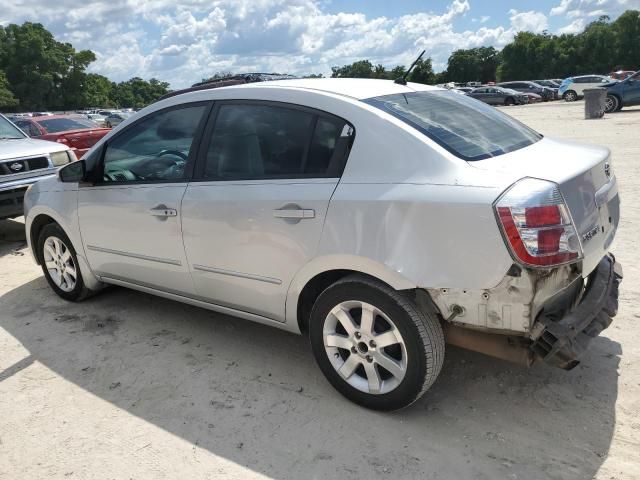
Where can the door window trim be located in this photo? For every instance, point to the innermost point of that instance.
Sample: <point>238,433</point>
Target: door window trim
<point>98,180</point>
<point>335,171</point>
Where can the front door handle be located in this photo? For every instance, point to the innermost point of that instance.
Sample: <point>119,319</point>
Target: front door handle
<point>294,213</point>
<point>163,211</point>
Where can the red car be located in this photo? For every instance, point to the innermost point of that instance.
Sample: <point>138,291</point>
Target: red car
<point>621,74</point>
<point>79,134</point>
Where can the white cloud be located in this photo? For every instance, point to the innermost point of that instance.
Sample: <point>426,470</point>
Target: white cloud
<point>528,21</point>
<point>593,8</point>
<point>574,27</point>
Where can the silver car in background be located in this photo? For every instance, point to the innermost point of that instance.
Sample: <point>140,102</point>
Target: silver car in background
<point>379,219</point>
<point>493,95</point>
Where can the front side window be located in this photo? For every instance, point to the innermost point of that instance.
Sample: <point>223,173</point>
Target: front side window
<point>465,127</point>
<point>155,148</point>
<point>258,141</point>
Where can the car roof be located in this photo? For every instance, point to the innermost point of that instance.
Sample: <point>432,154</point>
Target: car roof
<point>357,88</point>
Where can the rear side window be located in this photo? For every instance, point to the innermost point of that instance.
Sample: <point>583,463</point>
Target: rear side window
<point>259,141</point>
<point>465,127</point>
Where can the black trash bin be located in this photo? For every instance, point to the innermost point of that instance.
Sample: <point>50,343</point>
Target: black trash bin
<point>594,99</point>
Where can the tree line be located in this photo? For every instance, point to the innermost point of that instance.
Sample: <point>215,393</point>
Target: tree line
<point>602,47</point>
<point>38,73</point>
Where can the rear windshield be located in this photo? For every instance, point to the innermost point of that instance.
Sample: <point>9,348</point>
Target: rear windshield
<point>56,125</point>
<point>468,128</point>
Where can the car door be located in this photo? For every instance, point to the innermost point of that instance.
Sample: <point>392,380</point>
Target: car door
<point>254,214</point>
<point>130,217</point>
<point>493,97</point>
<point>478,94</point>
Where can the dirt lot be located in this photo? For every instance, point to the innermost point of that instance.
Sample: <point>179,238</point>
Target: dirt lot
<point>128,386</point>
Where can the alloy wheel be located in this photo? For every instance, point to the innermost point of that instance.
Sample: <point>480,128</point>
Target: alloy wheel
<point>59,263</point>
<point>365,347</point>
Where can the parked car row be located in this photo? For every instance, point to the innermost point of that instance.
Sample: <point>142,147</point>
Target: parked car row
<point>80,134</point>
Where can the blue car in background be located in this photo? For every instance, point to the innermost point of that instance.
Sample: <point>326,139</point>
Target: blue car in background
<point>623,93</point>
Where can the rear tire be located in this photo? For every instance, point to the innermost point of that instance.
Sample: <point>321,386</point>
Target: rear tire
<point>60,264</point>
<point>570,96</point>
<point>385,363</point>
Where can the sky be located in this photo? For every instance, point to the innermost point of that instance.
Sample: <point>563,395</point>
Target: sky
<point>182,42</point>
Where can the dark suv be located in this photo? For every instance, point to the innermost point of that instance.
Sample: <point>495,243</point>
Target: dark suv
<point>531,87</point>
<point>623,94</point>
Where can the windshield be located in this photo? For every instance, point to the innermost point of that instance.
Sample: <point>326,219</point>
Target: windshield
<point>8,130</point>
<point>469,129</point>
<point>56,125</point>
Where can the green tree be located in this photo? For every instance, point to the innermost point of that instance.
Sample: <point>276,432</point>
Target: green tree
<point>627,39</point>
<point>422,72</point>
<point>7,99</point>
<point>98,91</point>
<point>359,69</point>
<point>473,65</point>
<point>42,72</point>
<point>137,93</point>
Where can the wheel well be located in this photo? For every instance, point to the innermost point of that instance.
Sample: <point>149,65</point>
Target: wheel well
<point>314,288</point>
<point>36,227</point>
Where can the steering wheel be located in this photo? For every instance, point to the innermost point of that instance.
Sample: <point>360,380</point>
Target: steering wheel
<point>175,153</point>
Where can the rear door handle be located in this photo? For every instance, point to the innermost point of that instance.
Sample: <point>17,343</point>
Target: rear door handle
<point>163,211</point>
<point>295,213</point>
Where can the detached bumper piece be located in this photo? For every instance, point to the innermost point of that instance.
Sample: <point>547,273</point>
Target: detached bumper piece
<point>564,340</point>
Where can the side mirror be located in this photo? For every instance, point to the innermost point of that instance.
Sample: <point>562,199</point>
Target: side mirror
<point>73,172</point>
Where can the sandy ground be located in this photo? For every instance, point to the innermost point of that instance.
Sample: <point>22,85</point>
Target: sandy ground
<point>128,386</point>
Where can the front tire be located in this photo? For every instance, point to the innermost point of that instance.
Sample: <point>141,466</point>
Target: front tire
<point>509,101</point>
<point>611,104</point>
<point>374,345</point>
<point>60,264</point>
<point>570,96</point>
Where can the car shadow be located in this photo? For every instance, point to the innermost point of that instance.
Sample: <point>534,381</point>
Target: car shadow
<point>12,237</point>
<point>253,395</point>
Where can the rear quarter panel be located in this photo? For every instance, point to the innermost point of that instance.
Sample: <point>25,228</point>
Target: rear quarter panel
<point>435,236</point>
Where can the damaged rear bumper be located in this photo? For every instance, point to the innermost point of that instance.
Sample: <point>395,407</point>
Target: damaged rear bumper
<point>562,341</point>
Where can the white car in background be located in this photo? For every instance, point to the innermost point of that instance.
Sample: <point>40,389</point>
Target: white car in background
<point>375,217</point>
<point>100,120</point>
<point>116,118</point>
<point>572,88</point>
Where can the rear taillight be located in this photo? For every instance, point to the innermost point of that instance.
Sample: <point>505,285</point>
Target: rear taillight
<point>537,225</point>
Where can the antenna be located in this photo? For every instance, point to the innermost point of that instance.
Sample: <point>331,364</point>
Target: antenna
<point>403,79</point>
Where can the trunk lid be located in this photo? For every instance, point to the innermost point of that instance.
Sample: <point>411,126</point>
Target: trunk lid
<point>586,179</point>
